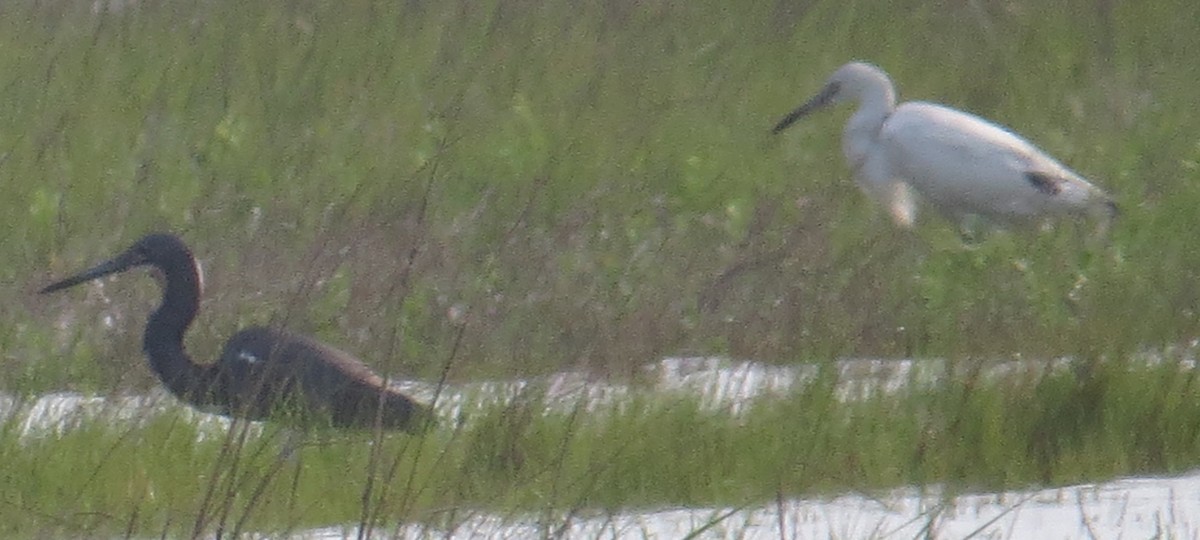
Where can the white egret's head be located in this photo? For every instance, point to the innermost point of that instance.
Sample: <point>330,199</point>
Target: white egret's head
<point>856,81</point>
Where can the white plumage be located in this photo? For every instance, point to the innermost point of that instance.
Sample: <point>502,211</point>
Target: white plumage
<point>959,163</point>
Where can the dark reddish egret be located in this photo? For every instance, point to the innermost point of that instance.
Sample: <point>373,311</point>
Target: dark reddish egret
<point>960,163</point>
<point>262,372</point>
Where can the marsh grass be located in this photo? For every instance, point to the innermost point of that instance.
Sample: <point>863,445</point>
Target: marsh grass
<point>974,429</point>
<point>533,186</point>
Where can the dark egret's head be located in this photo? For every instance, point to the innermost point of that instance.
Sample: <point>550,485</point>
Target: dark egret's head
<point>165,252</point>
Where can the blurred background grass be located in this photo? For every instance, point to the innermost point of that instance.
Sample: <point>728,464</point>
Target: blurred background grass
<point>582,184</point>
<point>593,185</point>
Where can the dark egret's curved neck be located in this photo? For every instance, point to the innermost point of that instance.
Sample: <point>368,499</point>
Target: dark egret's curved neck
<point>163,340</point>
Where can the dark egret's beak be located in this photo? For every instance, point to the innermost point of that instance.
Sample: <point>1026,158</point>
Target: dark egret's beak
<point>824,98</point>
<point>121,263</point>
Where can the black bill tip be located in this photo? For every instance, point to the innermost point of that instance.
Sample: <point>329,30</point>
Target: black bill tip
<point>119,264</point>
<point>825,97</point>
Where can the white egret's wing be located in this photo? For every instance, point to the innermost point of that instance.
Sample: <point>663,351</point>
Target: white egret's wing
<point>964,164</point>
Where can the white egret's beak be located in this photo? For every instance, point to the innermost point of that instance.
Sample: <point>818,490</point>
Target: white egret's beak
<point>824,98</point>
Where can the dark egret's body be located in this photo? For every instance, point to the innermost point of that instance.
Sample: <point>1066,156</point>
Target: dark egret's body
<point>960,163</point>
<point>263,373</point>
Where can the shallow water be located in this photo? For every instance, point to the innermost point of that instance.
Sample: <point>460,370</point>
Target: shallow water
<point>717,383</point>
<point>1129,508</point>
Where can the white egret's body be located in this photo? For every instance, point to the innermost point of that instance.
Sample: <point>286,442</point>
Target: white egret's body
<point>959,163</point>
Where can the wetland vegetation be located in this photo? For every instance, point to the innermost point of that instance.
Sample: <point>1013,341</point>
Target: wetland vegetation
<point>504,190</point>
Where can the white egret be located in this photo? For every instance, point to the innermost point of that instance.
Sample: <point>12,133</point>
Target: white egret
<point>959,163</point>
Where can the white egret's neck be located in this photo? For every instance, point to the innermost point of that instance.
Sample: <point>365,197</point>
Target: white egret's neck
<point>876,100</point>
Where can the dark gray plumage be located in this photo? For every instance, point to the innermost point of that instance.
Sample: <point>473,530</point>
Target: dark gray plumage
<point>263,373</point>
